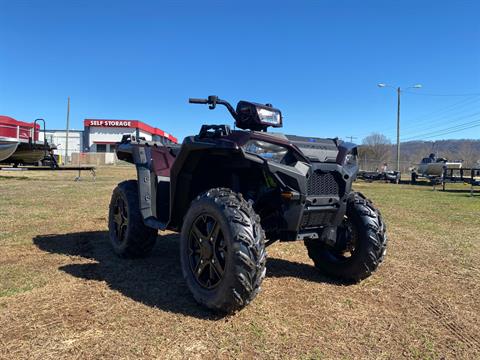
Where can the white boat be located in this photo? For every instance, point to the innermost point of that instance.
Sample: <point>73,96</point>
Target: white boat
<point>433,166</point>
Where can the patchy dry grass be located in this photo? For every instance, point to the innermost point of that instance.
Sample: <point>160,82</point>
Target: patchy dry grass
<point>64,295</point>
<point>17,278</point>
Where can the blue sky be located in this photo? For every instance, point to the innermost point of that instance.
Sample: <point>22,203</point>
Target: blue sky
<point>317,61</point>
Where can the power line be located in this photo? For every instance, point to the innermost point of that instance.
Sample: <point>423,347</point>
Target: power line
<point>449,115</point>
<point>445,131</point>
<point>450,120</point>
<point>428,125</point>
<point>439,112</point>
<point>451,132</point>
<point>430,94</point>
<point>448,128</point>
<point>432,117</point>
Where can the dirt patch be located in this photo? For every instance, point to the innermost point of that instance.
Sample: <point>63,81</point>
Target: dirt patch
<point>67,296</point>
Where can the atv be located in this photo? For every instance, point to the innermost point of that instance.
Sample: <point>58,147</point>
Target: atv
<point>230,193</point>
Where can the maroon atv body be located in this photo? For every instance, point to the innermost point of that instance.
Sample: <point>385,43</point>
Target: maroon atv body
<point>232,193</point>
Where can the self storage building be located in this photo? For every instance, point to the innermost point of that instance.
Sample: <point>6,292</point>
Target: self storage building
<point>100,135</point>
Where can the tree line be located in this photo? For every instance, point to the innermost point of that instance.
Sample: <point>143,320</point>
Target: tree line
<point>376,150</point>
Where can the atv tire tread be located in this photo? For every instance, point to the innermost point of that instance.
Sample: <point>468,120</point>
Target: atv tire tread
<point>249,254</point>
<point>371,228</point>
<point>140,238</point>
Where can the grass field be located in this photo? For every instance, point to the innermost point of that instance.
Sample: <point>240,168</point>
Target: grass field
<point>64,295</point>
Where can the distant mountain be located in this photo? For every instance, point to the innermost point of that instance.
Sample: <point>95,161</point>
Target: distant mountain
<point>464,149</point>
<point>412,153</point>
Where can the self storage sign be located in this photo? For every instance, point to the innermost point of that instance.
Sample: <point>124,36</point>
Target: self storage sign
<point>109,123</point>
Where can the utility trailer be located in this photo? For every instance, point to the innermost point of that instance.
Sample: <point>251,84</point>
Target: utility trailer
<point>91,169</point>
<point>433,180</point>
<point>386,176</point>
<point>469,176</point>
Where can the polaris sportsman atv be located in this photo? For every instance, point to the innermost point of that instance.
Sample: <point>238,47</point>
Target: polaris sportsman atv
<point>231,193</point>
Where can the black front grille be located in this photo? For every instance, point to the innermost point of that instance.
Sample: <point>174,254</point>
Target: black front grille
<point>316,219</point>
<point>323,183</point>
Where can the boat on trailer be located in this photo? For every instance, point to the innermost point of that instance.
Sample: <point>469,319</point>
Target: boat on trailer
<point>19,142</point>
<point>434,166</point>
<point>7,147</point>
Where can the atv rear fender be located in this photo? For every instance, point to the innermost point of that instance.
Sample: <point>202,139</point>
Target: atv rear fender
<point>153,162</point>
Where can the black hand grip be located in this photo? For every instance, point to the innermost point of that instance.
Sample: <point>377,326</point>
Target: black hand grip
<point>197,101</point>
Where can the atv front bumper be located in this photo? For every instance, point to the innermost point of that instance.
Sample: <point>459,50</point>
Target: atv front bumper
<point>319,195</point>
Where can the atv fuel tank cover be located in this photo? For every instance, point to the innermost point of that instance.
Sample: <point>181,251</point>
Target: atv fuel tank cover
<point>315,149</point>
<point>311,142</point>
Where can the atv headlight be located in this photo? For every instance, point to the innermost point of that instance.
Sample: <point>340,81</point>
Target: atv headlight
<point>257,117</point>
<point>269,117</point>
<point>266,150</point>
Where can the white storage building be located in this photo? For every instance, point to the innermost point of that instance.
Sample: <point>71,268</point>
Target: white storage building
<point>100,135</point>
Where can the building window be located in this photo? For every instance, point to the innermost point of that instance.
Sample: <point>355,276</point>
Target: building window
<point>112,147</point>
<point>101,148</point>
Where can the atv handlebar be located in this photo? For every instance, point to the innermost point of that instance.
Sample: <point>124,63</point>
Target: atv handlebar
<point>213,101</point>
<point>197,101</point>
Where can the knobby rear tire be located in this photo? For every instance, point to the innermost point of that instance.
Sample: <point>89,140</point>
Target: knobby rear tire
<point>139,239</point>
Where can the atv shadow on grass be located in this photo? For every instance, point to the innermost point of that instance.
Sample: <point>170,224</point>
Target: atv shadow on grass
<point>156,280</point>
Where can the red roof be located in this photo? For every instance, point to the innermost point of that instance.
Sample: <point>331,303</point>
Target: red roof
<point>130,124</point>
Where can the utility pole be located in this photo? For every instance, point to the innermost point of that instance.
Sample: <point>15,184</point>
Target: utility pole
<point>68,126</point>
<point>398,128</point>
<point>351,138</point>
<point>399,91</point>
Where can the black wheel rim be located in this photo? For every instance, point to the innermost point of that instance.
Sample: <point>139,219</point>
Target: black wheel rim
<point>207,251</point>
<point>120,220</point>
<point>347,241</point>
